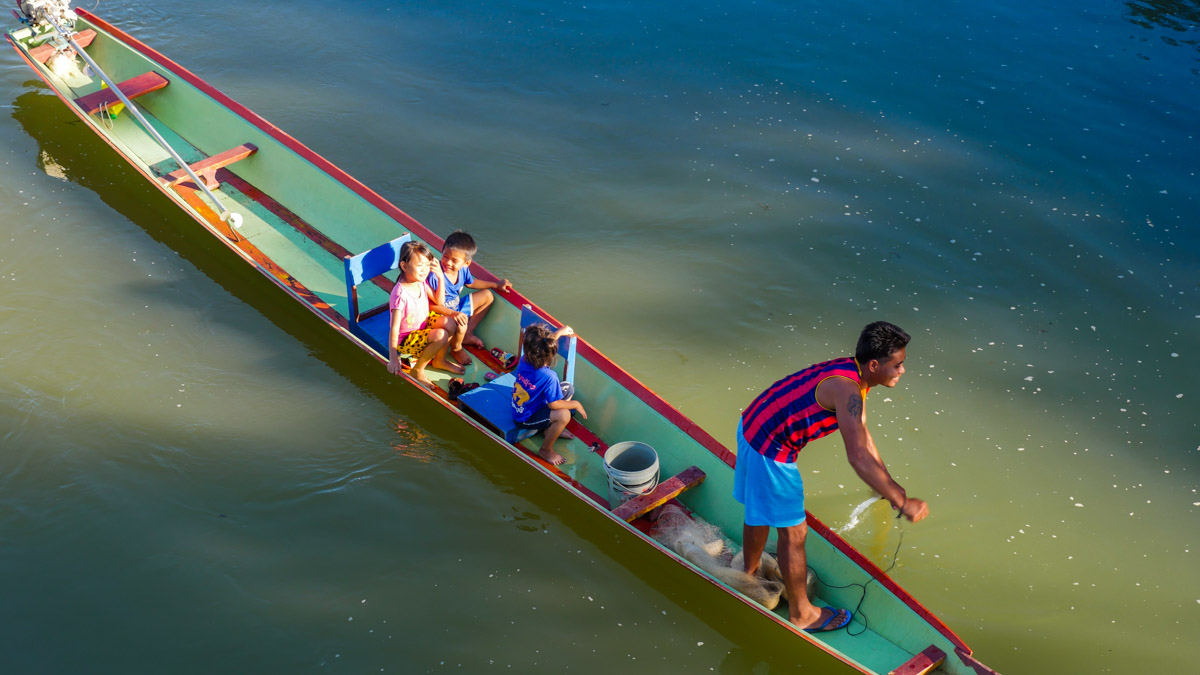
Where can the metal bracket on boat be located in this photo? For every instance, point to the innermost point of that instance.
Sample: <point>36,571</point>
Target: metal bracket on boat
<point>50,13</point>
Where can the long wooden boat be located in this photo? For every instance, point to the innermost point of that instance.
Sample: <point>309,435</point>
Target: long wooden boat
<point>302,218</point>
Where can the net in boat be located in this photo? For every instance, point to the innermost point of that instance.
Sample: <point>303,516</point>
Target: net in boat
<point>702,544</point>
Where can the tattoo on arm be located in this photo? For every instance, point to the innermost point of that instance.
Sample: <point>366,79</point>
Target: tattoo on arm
<point>855,405</point>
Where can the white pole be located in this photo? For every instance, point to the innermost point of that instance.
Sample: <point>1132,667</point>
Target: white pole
<point>224,212</point>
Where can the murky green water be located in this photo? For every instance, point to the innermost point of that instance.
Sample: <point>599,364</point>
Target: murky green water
<point>197,476</point>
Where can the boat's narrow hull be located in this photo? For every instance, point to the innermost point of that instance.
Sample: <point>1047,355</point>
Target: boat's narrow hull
<point>303,215</point>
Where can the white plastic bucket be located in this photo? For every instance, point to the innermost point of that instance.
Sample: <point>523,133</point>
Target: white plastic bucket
<point>632,470</point>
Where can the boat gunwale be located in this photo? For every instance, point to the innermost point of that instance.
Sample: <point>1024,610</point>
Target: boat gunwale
<point>594,356</point>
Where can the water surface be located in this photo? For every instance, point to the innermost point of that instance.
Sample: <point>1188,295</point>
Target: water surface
<point>196,476</point>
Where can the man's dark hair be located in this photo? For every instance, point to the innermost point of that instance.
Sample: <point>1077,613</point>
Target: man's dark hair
<point>879,341</point>
<point>460,241</point>
<point>539,345</point>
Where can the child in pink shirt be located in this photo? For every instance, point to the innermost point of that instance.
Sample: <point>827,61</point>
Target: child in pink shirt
<point>412,330</point>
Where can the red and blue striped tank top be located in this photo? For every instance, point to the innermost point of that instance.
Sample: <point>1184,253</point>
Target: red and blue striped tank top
<point>786,417</point>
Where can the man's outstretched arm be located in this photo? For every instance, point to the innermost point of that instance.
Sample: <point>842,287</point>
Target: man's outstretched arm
<point>861,452</point>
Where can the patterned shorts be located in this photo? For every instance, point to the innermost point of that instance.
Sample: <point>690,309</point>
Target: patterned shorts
<point>414,343</point>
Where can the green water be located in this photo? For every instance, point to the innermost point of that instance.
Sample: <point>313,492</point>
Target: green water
<point>198,476</point>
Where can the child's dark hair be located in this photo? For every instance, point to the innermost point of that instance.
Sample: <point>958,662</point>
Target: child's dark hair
<point>460,241</point>
<point>539,345</point>
<point>411,248</point>
<point>879,341</point>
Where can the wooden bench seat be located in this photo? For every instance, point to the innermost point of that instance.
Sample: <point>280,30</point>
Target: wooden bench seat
<point>666,491</point>
<point>922,663</point>
<point>207,167</point>
<point>42,53</point>
<point>132,88</point>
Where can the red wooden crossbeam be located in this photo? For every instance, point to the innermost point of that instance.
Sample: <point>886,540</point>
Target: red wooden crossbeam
<point>922,663</point>
<point>42,53</point>
<point>666,491</point>
<point>207,167</point>
<point>132,88</point>
<point>971,662</point>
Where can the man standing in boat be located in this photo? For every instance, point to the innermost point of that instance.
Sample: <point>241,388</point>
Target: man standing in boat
<point>796,410</point>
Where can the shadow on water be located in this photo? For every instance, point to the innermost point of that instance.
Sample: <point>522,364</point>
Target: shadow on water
<point>70,147</point>
<point>1181,17</point>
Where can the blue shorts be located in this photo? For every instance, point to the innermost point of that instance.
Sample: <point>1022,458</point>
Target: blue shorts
<point>538,421</point>
<point>773,492</point>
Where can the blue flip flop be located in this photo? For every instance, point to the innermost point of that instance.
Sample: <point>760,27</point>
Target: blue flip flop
<point>825,627</point>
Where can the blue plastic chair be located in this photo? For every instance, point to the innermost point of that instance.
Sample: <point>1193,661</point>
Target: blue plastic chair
<point>372,325</point>
<point>493,401</point>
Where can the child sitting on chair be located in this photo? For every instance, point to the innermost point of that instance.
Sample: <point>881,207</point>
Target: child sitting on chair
<point>467,310</point>
<point>539,400</point>
<point>413,331</point>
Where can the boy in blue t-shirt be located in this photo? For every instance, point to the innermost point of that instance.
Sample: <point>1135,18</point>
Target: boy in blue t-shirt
<point>468,310</point>
<point>539,400</point>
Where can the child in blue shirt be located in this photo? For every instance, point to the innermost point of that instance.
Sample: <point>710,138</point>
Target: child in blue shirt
<point>539,400</point>
<point>448,281</point>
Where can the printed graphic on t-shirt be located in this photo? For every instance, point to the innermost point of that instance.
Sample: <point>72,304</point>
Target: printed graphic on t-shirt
<point>520,397</point>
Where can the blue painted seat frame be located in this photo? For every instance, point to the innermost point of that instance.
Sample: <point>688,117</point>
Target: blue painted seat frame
<point>371,326</point>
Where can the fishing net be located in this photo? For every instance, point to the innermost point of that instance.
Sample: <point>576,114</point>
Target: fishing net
<point>704,545</point>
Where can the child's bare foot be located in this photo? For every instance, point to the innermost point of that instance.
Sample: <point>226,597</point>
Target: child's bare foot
<point>551,456</point>
<point>442,364</point>
<point>566,435</point>
<point>421,377</point>
<point>462,357</point>
<point>473,341</point>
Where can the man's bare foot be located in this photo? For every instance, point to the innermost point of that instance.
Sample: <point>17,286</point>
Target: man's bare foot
<point>551,456</point>
<point>442,364</point>
<point>462,357</point>
<point>473,341</point>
